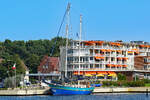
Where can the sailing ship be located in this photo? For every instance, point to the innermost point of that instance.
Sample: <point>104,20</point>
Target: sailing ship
<point>69,89</point>
<point>57,89</point>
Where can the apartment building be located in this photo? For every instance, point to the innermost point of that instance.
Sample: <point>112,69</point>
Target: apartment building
<point>106,58</point>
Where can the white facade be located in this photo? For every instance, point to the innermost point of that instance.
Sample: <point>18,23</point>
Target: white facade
<point>102,56</point>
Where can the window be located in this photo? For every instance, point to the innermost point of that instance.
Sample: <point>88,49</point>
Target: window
<point>70,51</point>
<point>91,65</point>
<point>145,66</point>
<point>146,60</point>
<point>76,66</point>
<point>112,59</point>
<point>96,65</point>
<point>45,66</point>
<point>91,58</point>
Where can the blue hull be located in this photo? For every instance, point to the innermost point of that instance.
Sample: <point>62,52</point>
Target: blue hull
<point>66,90</point>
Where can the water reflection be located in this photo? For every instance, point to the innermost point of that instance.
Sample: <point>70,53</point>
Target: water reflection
<point>114,96</point>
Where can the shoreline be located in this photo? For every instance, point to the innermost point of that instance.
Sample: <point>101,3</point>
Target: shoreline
<point>32,92</point>
<point>122,90</point>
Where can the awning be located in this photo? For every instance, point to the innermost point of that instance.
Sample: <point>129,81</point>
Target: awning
<point>96,57</point>
<point>90,72</point>
<point>137,52</point>
<point>130,51</point>
<point>124,58</point>
<point>146,46</point>
<point>78,73</point>
<point>119,65</point>
<point>119,58</point>
<point>103,50</point>
<point>111,72</point>
<point>142,45</point>
<point>113,50</point>
<point>108,65</point>
<point>112,65</point>
<point>99,42</point>
<point>88,75</point>
<point>113,75</point>
<point>115,44</point>
<point>119,51</point>
<point>124,65</point>
<point>102,72</point>
<point>100,75</point>
<point>108,50</point>
<point>89,42</point>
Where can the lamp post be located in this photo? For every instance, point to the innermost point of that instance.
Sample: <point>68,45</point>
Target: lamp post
<point>14,68</point>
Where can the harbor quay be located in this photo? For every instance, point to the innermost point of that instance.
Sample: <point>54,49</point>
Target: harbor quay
<point>27,92</point>
<point>24,92</point>
<point>121,90</point>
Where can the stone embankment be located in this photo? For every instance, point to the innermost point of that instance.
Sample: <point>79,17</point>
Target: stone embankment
<point>45,91</point>
<point>24,92</point>
<point>122,90</point>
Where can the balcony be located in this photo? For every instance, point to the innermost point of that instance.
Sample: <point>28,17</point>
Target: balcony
<point>100,69</point>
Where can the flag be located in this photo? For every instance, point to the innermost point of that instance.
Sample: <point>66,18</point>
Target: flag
<point>14,66</point>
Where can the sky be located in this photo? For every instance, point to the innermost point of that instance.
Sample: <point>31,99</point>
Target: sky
<point>108,20</point>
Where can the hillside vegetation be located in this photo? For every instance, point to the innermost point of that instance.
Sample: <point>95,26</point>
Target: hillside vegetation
<point>30,52</point>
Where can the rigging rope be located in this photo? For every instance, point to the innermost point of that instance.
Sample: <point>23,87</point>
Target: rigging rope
<point>68,8</point>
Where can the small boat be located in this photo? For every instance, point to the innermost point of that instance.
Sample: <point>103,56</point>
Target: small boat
<point>57,89</point>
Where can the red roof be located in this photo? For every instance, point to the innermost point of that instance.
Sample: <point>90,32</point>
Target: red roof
<point>48,64</point>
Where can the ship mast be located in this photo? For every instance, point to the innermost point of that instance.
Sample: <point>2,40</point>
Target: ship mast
<point>67,33</point>
<point>80,43</point>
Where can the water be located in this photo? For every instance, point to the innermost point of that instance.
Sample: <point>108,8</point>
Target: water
<point>132,96</point>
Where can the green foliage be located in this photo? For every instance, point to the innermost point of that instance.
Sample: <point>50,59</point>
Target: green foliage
<point>138,83</point>
<point>121,77</point>
<point>12,82</point>
<point>30,52</point>
<point>7,64</point>
<point>32,61</point>
<point>146,81</point>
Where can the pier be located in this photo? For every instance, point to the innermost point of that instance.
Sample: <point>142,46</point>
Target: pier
<point>24,92</point>
<point>122,90</point>
<point>45,91</point>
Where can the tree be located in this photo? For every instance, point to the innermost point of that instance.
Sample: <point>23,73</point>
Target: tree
<point>31,52</point>
<point>32,62</point>
<point>55,44</point>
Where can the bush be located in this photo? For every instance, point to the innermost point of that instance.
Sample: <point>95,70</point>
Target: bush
<point>146,80</point>
<point>121,77</point>
<point>123,83</point>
